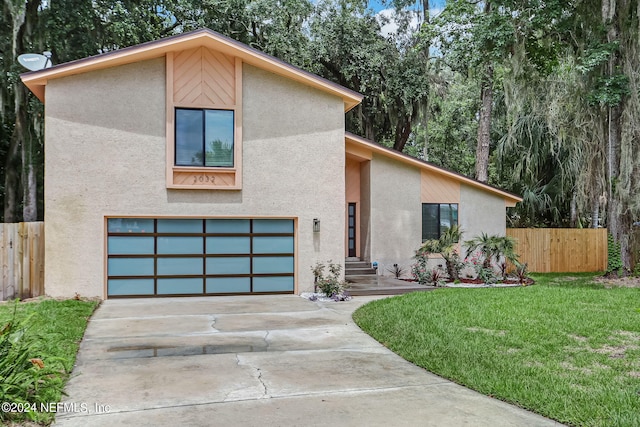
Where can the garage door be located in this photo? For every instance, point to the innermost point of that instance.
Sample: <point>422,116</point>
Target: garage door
<point>181,257</point>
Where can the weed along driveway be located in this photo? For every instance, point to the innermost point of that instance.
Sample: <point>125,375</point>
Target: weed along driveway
<point>257,361</point>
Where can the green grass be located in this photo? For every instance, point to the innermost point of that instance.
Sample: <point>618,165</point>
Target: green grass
<point>566,348</point>
<point>49,330</point>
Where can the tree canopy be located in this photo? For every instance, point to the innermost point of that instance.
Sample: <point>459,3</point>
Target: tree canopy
<point>538,97</point>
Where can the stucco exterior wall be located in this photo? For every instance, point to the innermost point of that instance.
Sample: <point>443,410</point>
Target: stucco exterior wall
<point>105,156</point>
<point>480,212</point>
<point>396,212</point>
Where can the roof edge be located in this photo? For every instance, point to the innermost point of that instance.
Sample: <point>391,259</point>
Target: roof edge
<point>37,80</point>
<point>389,152</point>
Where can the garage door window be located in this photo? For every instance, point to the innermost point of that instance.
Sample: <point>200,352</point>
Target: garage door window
<point>199,256</point>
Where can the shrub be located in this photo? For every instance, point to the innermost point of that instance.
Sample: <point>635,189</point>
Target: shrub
<point>423,274</point>
<point>522,273</point>
<point>419,270</point>
<point>396,270</point>
<point>330,285</point>
<point>484,272</point>
<point>435,277</point>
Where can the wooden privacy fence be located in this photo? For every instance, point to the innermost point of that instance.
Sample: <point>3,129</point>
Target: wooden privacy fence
<point>561,250</point>
<point>22,260</point>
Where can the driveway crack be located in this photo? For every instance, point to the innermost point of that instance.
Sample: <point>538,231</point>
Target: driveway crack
<point>266,341</point>
<point>264,386</point>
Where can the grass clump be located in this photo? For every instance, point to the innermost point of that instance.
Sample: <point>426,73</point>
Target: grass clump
<point>38,346</point>
<point>567,348</point>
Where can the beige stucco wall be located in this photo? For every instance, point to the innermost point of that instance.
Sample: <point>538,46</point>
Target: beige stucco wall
<point>105,156</point>
<point>480,211</point>
<point>396,212</point>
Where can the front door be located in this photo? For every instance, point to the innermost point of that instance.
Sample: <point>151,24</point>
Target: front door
<point>352,229</point>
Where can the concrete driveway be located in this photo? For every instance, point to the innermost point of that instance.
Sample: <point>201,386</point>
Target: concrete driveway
<point>257,361</point>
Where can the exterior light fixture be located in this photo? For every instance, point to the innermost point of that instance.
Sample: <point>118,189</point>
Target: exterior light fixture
<point>316,225</point>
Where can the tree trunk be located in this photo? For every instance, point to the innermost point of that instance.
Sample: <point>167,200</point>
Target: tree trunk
<point>24,16</point>
<point>425,23</point>
<point>595,213</point>
<point>484,126</point>
<point>573,221</point>
<point>24,139</point>
<point>619,220</point>
<point>403,131</point>
<point>11,182</point>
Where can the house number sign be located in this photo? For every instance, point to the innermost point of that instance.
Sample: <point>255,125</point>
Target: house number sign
<point>204,179</point>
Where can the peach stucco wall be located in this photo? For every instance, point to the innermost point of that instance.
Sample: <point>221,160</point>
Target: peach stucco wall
<point>352,177</point>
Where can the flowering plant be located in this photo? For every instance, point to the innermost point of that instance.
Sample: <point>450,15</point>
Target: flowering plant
<point>484,271</point>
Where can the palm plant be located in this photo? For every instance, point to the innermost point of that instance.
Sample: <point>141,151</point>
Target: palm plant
<point>493,247</point>
<point>446,246</point>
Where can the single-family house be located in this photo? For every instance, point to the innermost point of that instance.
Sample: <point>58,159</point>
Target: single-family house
<point>196,165</point>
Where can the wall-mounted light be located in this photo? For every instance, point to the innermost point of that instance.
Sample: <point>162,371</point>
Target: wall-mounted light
<point>316,225</point>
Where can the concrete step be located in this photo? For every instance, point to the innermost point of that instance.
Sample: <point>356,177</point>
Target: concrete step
<point>357,264</point>
<point>349,271</point>
<point>379,285</point>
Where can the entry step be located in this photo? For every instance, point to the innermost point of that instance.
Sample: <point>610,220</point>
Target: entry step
<point>358,268</point>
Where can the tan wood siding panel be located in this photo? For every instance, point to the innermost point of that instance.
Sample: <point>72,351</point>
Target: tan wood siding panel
<point>22,260</point>
<point>218,78</point>
<point>561,250</point>
<point>187,76</point>
<point>352,178</point>
<point>206,179</point>
<point>204,78</point>
<point>435,188</point>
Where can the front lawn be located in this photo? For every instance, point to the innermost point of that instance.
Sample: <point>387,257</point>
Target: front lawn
<point>38,345</point>
<point>565,348</point>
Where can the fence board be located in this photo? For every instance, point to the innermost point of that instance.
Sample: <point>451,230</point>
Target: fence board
<point>22,260</point>
<point>561,250</point>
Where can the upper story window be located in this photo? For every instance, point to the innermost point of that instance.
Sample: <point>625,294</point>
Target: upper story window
<point>438,218</point>
<point>204,137</point>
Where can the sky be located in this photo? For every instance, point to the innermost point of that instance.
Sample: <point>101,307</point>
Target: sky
<point>434,4</point>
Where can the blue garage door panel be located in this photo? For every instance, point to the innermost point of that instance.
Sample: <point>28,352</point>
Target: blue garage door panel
<point>129,286</point>
<point>272,284</point>
<point>217,285</point>
<point>179,286</point>
<point>164,257</point>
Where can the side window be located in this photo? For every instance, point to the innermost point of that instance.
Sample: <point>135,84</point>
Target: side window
<point>438,218</point>
<point>204,138</point>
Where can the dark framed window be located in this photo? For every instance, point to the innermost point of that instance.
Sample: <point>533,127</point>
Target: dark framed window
<point>438,218</point>
<point>204,137</point>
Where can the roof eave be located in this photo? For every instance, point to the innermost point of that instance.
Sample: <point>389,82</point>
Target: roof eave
<point>37,80</point>
<point>510,199</point>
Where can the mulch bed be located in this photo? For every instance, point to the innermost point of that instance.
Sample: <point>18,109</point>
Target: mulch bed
<point>468,281</point>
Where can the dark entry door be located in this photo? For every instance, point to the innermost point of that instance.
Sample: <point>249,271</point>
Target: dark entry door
<point>352,229</point>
